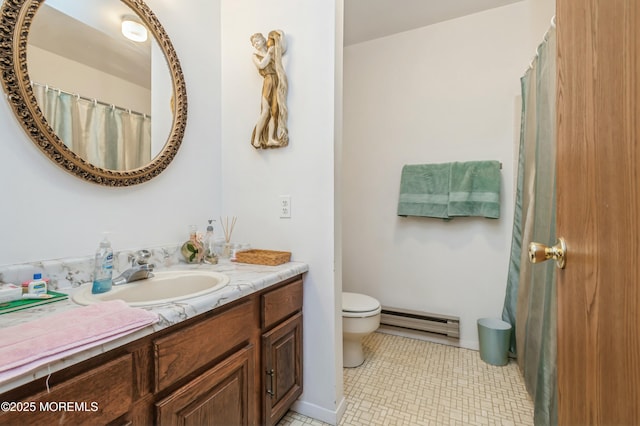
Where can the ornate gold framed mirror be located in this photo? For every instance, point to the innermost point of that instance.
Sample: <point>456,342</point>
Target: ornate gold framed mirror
<point>18,21</point>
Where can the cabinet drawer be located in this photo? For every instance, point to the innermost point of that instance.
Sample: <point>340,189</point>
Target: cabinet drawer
<point>195,346</point>
<point>97,396</point>
<point>280,303</point>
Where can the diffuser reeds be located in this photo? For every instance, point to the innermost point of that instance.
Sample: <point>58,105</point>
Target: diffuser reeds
<point>227,228</point>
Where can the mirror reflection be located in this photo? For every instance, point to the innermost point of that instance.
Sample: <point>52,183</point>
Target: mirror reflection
<point>106,97</point>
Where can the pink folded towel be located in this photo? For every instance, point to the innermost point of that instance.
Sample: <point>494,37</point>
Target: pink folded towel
<point>29,345</point>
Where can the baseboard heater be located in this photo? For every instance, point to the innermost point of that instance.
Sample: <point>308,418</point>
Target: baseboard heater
<point>421,321</point>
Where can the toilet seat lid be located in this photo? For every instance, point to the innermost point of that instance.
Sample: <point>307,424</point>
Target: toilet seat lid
<point>356,302</point>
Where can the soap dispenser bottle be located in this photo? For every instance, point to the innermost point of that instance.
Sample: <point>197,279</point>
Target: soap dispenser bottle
<point>103,268</point>
<point>210,255</point>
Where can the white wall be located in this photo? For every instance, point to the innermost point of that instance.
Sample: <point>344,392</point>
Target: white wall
<point>337,210</point>
<point>48,214</point>
<point>254,179</point>
<point>440,93</point>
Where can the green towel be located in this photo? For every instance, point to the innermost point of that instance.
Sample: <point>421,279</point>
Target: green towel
<point>424,190</point>
<point>475,189</point>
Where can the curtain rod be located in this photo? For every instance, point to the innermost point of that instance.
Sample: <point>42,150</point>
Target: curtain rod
<point>95,101</point>
<point>544,39</point>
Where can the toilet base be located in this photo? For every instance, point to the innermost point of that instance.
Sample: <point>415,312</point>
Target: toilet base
<point>352,353</point>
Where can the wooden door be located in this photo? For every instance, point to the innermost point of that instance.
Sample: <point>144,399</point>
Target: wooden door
<point>598,210</point>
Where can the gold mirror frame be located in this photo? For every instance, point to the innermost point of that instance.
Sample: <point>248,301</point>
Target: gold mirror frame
<point>16,19</point>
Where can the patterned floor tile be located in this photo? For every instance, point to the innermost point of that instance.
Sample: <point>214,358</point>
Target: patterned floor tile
<point>410,382</point>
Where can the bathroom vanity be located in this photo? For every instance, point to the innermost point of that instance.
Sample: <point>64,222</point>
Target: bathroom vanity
<point>239,363</point>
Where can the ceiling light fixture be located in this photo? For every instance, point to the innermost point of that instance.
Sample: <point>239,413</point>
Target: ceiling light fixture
<point>133,29</point>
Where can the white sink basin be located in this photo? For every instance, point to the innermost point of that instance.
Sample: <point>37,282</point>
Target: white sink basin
<point>165,286</point>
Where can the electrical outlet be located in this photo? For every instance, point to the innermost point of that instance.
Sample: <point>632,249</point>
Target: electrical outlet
<point>285,206</point>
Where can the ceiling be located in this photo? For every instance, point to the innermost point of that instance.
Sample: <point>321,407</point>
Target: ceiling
<point>370,19</point>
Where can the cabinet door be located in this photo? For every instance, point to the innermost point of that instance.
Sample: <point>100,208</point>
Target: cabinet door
<point>282,363</point>
<point>97,396</point>
<point>223,395</point>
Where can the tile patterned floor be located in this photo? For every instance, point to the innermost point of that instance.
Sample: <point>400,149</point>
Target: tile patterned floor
<point>411,382</point>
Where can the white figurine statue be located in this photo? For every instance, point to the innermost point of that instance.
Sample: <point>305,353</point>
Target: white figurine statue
<point>271,128</point>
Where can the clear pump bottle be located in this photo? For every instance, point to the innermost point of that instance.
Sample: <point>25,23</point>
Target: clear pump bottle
<point>103,268</point>
<point>210,255</point>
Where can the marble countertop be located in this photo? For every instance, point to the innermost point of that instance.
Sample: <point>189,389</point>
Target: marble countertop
<point>244,279</point>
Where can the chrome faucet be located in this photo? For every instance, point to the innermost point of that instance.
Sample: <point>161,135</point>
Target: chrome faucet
<point>140,269</point>
<point>141,257</point>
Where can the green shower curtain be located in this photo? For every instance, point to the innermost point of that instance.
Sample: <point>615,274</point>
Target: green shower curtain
<point>530,302</point>
<point>106,136</point>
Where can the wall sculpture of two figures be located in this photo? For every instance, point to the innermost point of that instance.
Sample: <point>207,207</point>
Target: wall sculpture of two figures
<point>271,127</point>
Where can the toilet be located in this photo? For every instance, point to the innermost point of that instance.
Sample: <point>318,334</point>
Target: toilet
<point>360,317</point>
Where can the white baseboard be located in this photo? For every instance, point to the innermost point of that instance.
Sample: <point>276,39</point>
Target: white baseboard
<point>320,413</point>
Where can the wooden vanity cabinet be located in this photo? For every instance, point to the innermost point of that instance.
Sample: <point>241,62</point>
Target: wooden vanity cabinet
<point>207,370</point>
<point>281,349</point>
<point>214,360</point>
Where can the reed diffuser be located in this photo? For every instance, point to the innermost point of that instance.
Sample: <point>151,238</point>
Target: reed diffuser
<point>227,228</point>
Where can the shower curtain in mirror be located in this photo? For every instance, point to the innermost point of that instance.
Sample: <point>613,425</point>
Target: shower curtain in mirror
<point>530,302</point>
<point>106,136</point>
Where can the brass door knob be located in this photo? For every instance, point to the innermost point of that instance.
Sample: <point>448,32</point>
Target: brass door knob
<point>539,253</point>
